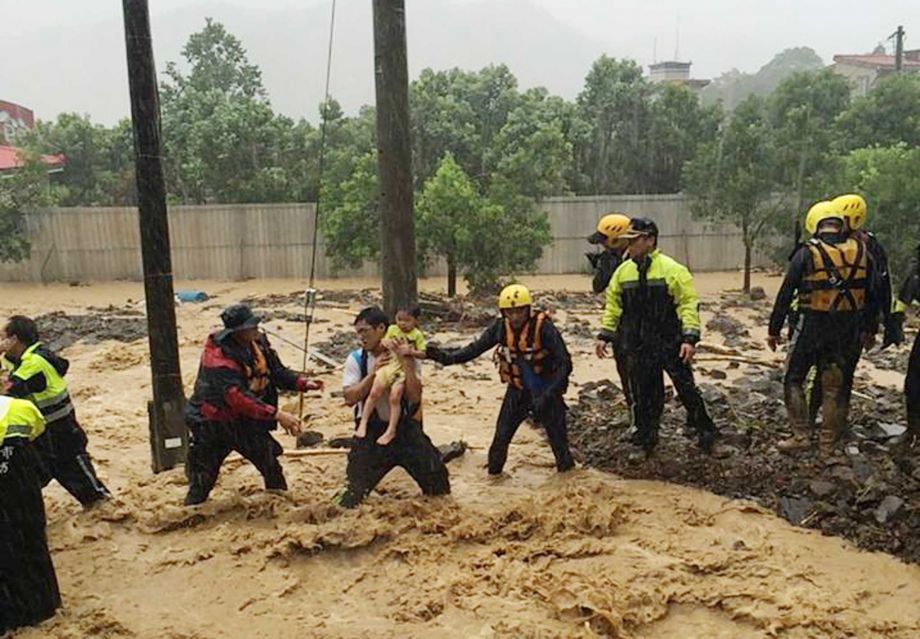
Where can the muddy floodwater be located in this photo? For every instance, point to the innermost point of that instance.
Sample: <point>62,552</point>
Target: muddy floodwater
<point>532,554</point>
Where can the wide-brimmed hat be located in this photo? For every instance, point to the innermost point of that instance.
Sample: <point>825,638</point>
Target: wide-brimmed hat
<point>237,318</point>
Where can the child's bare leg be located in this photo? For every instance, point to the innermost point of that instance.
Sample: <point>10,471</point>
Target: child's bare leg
<point>377,390</point>
<point>396,393</point>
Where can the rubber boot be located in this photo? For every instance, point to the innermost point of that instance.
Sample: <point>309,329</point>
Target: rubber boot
<point>797,409</point>
<point>833,411</point>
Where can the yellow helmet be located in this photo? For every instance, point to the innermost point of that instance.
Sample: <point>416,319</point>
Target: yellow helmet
<point>819,211</point>
<point>609,228</point>
<point>514,296</point>
<point>854,210</point>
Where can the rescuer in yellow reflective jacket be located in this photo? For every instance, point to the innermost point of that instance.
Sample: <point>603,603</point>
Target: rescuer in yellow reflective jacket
<point>653,306</point>
<point>28,586</point>
<point>37,374</point>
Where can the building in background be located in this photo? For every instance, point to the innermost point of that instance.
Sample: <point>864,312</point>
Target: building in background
<point>864,70</point>
<point>674,72</point>
<point>14,119</point>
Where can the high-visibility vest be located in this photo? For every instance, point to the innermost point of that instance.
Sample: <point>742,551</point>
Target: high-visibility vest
<point>54,402</point>
<point>839,277</point>
<point>527,346</point>
<point>19,418</point>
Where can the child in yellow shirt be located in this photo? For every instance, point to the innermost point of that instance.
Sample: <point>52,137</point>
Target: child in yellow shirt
<point>392,377</point>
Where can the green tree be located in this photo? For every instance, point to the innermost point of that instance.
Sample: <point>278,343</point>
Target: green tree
<point>614,106</point>
<point>350,219</point>
<point>678,125</point>
<point>480,238</point>
<point>532,152</point>
<point>217,62</point>
<point>223,142</point>
<point>889,179</point>
<point>802,111</point>
<point>888,115</point>
<point>100,160</point>
<point>24,191</point>
<point>730,180</point>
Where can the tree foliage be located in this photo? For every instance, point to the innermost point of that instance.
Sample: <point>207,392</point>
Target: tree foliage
<point>22,192</point>
<point>499,150</point>
<point>731,179</point>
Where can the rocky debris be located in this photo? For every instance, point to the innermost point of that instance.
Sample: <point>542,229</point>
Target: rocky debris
<point>309,439</point>
<point>893,358</point>
<point>338,346</point>
<point>862,494</point>
<point>732,329</point>
<point>59,330</point>
<point>757,294</point>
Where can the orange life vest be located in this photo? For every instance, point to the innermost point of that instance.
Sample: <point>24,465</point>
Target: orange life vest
<point>257,377</point>
<point>528,345</point>
<point>838,280</point>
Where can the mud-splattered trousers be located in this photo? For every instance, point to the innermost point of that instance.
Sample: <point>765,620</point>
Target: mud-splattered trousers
<point>825,341</point>
<point>211,442</point>
<point>412,450</point>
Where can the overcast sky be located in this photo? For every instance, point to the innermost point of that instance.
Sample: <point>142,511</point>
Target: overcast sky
<point>68,55</point>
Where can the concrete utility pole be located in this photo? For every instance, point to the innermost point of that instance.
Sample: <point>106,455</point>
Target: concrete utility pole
<point>394,155</point>
<point>168,434</point>
<point>898,48</point>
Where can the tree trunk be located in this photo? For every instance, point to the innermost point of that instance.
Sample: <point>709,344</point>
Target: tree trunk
<point>748,244</point>
<point>451,276</point>
<point>747,267</point>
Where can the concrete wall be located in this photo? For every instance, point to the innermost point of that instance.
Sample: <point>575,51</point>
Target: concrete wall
<point>274,240</point>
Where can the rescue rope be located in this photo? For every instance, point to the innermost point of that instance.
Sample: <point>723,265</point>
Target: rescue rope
<point>310,295</point>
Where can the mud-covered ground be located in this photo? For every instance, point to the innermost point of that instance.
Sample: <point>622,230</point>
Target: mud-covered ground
<point>532,554</point>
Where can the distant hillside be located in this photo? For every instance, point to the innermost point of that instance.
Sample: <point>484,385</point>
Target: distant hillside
<point>733,86</point>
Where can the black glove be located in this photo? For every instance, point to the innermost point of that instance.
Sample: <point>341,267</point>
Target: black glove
<point>436,354</point>
<point>593,258</point>
<point>894,330</point>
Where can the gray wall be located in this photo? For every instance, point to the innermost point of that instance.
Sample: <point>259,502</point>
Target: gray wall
<point>274,240</point>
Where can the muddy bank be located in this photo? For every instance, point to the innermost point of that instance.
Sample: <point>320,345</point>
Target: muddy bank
<point>864,497</point>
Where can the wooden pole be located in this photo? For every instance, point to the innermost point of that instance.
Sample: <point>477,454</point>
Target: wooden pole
<point>394,156</point>
<point>168,434</point>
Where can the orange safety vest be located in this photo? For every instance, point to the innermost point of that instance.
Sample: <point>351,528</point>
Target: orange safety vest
<point>839,277</point>
<point>257,377</point>
<point>528,345</point>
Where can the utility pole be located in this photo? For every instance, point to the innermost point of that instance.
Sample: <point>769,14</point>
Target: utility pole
<point>168,434</point>
<point>898,48</point>
<point>394,155</point>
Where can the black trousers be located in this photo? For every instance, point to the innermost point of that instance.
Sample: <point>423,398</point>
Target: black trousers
<point>211,442</point>
<point>515,408</point>
<point>620,356</point>
<point>912,387</point>
<point>831,344</point>
<point>369,462</point>
<point>28,586</point>
<point>646,373</point>
<point>63,451</point>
